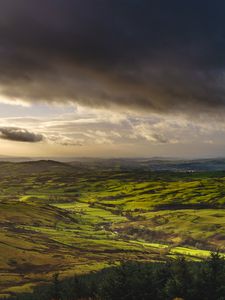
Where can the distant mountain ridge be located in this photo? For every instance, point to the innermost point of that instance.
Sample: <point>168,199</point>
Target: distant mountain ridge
<point>151,164</point>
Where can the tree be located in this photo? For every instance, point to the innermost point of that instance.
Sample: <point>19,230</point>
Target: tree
<point>56,287</point>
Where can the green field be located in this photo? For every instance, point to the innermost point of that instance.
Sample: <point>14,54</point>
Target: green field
<point>77,218</point>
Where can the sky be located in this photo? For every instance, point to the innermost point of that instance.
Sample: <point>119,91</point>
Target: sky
<point>112,78</point>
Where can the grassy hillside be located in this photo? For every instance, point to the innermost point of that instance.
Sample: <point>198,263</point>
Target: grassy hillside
<point>77,218</point>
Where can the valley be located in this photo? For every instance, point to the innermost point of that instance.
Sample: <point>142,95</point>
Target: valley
<point>80,217</point>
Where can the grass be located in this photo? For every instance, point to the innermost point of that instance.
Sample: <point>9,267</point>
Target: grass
<point>73,220</point>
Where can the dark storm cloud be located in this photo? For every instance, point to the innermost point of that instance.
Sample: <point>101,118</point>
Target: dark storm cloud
<point>151,55</point>
<point>19,135</point>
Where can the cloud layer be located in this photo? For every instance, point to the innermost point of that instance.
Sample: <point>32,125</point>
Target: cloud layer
<point>20,135</point>
<point>162,56</point>
<point>91,127</point>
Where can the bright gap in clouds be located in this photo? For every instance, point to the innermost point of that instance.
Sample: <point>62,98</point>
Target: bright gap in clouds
<point>43,130</point>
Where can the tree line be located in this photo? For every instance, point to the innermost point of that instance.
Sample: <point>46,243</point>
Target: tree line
<point>175,279</point>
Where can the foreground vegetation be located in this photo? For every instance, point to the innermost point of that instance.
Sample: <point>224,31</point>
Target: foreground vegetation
<point>177,279</point>
<point>82,217</point>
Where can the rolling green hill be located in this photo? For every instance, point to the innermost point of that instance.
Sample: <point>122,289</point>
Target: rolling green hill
<point>77,218</point>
